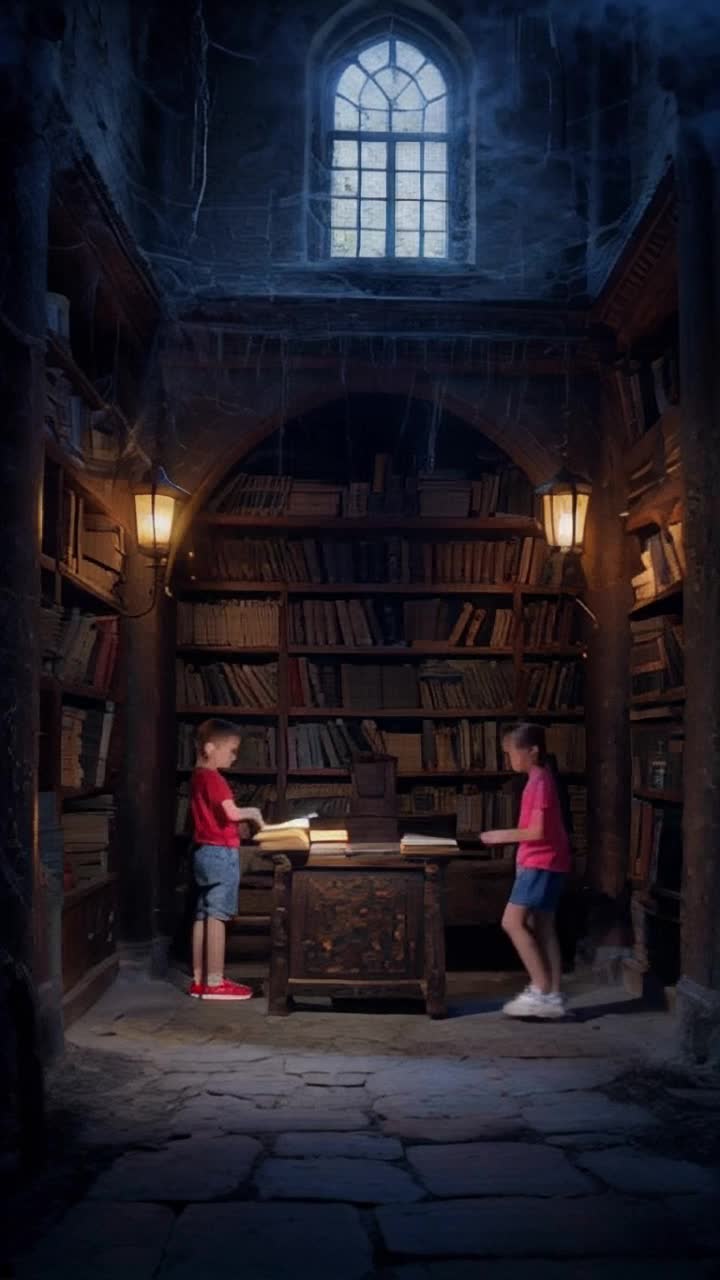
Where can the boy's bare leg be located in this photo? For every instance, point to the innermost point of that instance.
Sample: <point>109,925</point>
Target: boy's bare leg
<point>515,924</point>
<point>208,950</point>
<point>546,935</point>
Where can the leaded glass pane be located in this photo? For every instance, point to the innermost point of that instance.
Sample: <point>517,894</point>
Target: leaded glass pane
<point>407,121</point>
<point>434,186</point>
<point>430,81</point>
<point>373,155</point>
<point>372,244</point>
<point>435,116</point>
<point>407,215</point>
<point>351,82</point>
<point>374,184</point>
<point>344,213</point>
<point>410,99</point>
<point>345,154</point>
<point>343,244</point>
<point>407,155</point>
<point>435,156</point>
<point>371,96</point>
<point>373,121</point>
<point>435,244</point>
<point>407,244</point>
<point>377,56</point>
<point>344,182</point>
<point>346,116</point>
<point>434,215</point>
<point>372,214</point>
<point>408,57</point>
<point>407,186</point>
<point>392,81</point>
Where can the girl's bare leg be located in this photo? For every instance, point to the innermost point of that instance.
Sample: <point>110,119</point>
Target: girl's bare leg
<point>547,940</point>
<point>515,923</point>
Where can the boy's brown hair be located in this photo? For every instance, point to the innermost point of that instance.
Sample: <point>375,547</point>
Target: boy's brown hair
<point>215,731</point>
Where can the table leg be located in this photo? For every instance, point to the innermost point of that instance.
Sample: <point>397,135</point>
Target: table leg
<point>280,938</point>
<point>434,943</point>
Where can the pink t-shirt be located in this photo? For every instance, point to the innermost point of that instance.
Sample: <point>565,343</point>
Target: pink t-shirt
<point>552,853</point>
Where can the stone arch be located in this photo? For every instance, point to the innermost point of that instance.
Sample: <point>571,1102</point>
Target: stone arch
<point>520,444</point>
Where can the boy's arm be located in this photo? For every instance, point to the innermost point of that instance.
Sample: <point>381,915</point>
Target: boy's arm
<point>515,835</point>
<point>235,814</point>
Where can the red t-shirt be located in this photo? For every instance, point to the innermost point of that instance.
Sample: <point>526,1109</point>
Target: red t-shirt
<point>552,853</point>
<point>210,823</point>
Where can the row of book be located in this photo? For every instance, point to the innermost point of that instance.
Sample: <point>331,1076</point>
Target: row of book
<point>663,561</point>
<point>90,434</point>
<point>386,559</point>
<point>657,654</point>
<point>656,844</point>
<point>237,624</point>
<point>646,390</point>
<point>87,829</point>
<point>93,545</point>
<point>657,757</point>
<point>439,493</point>
<point>79,648</point>
<point>257,750</point>
<point>436,620</point>
<point>225,684</point>
<point>554,686</point>
<point>450,684</point>
<point>84,746</point>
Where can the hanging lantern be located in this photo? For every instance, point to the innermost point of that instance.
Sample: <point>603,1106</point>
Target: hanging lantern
<point>156,503</point>
<point>565,503</point>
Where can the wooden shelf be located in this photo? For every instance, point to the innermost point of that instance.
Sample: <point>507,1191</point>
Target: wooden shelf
<point>85,691</point>
<point>235,773</point>
<point>238,712</point>
<point>229,651</point>
<point>76,581</point>
<point>79,479</point>
<point>396,651</point>
<point>657,507</point>
<point>648,606</point>
<point>502,526</point>
<point>424,713</point>
<point>657,699</point>
<point>85,890</point>
<point>658,797</point>
<point>214,586</point>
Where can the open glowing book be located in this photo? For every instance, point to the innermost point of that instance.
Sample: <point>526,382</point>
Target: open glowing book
<point>293,834</point>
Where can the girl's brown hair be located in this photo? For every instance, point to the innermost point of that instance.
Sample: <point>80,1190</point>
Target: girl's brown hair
<point>526,736</point>
<point>215,731</point>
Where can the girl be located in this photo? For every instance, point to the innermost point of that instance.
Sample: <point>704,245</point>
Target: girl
<point>543,861</point>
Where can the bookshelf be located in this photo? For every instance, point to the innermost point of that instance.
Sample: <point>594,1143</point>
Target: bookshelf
<point>422,635</point>
<point>653,522</point>
<point>81,700</point>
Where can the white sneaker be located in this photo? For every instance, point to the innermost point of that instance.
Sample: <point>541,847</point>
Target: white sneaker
<point>533,1004</point>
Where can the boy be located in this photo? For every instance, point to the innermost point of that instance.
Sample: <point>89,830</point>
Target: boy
<point>216,861</point>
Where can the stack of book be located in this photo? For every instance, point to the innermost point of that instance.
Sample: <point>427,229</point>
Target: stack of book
<point>487,811</point>
<point>84,746</point>
<point>548,622</point>
<point>663,562</point>
<point>355,500</point>
<point>327,799</point>
<point>657,656</point>
<point>335,622</point>
<point>479,685</point>
<point>86,832</point>
<point>103,552</point>
<point>507,492</point>
<point>225,684</point>
<point>329,745</point>
<point>80,648</point>
<point>645,391</point>
<point>312,498</point>
<point>236,624</point>
<point>425,846</point>
<point>554,686</point>
<point>656,844</point>
<point>52,626</point>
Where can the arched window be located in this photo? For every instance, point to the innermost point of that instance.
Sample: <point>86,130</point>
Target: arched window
<point>388,160</point>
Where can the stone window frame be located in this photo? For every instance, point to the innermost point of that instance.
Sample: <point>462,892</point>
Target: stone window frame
<point>453,58</point>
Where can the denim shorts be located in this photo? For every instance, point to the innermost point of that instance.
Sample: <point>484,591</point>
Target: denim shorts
<point>537,888</point>
<point>217,876</point>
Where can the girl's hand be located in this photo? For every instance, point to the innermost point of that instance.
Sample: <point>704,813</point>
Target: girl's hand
<point>492,837</point>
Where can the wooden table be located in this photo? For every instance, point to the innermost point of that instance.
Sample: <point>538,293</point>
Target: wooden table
<point>368,925</point>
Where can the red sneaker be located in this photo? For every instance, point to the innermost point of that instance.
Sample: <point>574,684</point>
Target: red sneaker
<point>226,990</point>
<point>195,989</point>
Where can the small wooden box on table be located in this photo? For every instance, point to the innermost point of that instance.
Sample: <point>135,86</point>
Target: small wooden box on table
<point>368,923</point>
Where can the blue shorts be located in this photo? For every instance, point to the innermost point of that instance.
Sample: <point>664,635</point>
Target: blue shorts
<point>537,888</point>
<point>217,876</point>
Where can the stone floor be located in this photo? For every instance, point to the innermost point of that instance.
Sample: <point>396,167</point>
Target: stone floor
<point>195,1141</point>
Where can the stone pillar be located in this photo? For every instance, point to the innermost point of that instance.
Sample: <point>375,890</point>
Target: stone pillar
<point>609,597</point>
<point>698,173</point>
<point>25,88</point>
